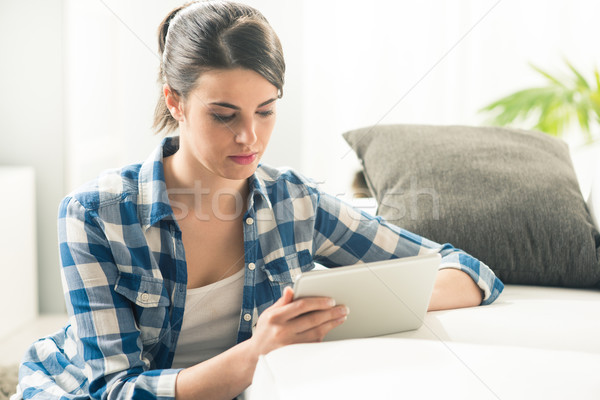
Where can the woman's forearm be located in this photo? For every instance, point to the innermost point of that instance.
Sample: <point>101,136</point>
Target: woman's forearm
<point>453,288</point>
<point>222,377</point>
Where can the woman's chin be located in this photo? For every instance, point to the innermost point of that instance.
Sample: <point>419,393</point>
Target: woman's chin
<point>240,173</point>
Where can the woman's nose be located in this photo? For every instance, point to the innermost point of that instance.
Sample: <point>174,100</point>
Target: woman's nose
<point>246,133</point>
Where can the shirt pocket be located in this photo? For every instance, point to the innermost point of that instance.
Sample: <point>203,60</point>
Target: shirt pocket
<point>284,271</point>
<point>150,303</point>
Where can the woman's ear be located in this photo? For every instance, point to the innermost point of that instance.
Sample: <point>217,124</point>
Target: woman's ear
<point>173,103</point>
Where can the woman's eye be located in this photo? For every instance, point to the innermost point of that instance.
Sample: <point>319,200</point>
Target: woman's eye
<point>223,118</point>
<point>265,113</point>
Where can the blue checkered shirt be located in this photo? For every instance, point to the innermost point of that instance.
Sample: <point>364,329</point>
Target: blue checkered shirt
<point>124,273</point>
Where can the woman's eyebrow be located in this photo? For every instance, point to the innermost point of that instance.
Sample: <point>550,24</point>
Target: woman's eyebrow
<point>267,102</point>
<point>228,105</point>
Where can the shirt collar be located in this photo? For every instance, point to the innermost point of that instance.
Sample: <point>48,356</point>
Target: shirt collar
<point>257,188</point>
<point>154,201</point>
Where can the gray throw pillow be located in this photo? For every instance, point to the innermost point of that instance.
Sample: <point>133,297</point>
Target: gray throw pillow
<point>508,197</point>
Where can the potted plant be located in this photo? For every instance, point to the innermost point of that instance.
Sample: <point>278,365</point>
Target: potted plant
<point>553,108</point>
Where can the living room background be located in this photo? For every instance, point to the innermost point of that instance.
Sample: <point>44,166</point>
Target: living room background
<point>82,81</point>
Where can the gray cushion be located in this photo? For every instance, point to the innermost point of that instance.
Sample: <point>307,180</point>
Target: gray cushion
<point>508,197</point>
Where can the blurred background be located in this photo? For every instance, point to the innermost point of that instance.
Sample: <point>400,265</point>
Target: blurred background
<point>79,90</point>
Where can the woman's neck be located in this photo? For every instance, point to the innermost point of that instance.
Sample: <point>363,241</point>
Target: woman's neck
<point>193,190</point>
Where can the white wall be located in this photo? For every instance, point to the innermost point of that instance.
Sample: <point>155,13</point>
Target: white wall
<point>431,62</point>
<point>31,125</point>
<point>19,257</point>
<point>80,80</point>
<point>111,66</point>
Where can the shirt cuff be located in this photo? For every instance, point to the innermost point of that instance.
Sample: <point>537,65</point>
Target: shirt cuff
<point>159,382</point>
<point>481,274</point>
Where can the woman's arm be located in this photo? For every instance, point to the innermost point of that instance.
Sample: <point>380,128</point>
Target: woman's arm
<point>344,236</point>
<point>453,288</point>
<point>285,322</point>
<point>278,326</point>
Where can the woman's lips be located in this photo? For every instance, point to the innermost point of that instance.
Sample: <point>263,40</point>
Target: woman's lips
<point>244,159</point>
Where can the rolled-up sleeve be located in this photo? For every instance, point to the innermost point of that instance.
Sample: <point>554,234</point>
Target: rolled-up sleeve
<point>344,236</point>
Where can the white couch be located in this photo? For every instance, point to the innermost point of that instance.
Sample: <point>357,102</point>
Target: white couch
<point>532,343</point>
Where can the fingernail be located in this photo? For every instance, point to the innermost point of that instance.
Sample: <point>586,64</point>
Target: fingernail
<point>347,310</point>
<point>332,302</point>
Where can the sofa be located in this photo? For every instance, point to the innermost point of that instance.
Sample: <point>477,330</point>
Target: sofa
<point>532,343</point>
<point>511,198</point>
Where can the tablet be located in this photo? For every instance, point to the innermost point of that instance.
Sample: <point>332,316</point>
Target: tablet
<point>384,297</point>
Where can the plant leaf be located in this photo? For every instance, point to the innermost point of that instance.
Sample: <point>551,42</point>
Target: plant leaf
<point>595,102</point>
<point>539,102</point>
<point>579,79</point>
<point>547,75</point>
<point>595,96</point>
<point>551,108</point>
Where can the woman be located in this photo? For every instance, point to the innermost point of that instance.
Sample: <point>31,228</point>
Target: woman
<point>177,271</point>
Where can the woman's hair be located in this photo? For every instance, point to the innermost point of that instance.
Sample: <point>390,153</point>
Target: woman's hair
<point>205,35</point>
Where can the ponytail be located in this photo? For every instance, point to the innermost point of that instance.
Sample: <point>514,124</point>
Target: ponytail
<point>162,117</point>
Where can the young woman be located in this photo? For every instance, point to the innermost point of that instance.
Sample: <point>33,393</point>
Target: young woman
<point>177,271</point>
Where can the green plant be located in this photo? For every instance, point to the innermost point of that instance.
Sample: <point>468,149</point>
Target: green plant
<point>554,107</point>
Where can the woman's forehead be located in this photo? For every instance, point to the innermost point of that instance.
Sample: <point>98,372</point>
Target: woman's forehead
<point>233,86</point>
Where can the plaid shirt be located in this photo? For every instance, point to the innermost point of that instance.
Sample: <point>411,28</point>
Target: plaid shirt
<point>124,273</point>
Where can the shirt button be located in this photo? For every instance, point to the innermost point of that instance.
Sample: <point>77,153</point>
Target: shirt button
<point>249,221</point>
<point>145,297</point>
<point>251,266</point>
<point>247,317</point>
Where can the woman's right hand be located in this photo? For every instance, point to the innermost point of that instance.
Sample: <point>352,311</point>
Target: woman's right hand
<point>290,321</point>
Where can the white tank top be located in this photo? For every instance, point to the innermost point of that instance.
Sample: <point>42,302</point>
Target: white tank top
<point>210,321</point>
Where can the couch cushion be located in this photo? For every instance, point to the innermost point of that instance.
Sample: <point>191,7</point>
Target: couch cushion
<point>509,197</point>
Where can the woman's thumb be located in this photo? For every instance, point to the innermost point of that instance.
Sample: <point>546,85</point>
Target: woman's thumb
<point>287,296</point>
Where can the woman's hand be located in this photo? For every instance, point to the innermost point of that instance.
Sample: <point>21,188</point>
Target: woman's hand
<point>300,321</point>
<point>285,322</point>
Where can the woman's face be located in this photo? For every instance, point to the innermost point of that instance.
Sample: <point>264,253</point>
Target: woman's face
<point>228,122</point>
